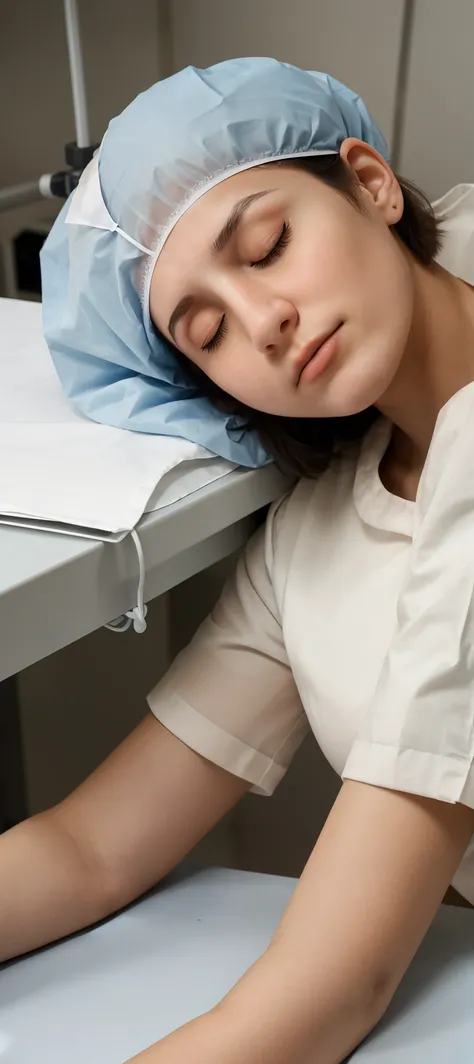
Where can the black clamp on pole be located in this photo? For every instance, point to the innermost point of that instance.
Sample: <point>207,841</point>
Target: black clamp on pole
<point>65,181</point>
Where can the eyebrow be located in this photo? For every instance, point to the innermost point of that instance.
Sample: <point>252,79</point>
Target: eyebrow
<point>222,240</point>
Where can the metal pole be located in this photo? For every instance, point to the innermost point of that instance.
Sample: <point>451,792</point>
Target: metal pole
<point>18,195</point>
<point>81,119</point>
<point>402,82</point>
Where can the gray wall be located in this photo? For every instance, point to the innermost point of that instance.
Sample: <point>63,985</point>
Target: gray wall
<point>437,148</point>
<point>78,704</point>
<point>121,57</point>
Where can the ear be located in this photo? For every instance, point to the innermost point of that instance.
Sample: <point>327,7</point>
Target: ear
<point>378,186</point>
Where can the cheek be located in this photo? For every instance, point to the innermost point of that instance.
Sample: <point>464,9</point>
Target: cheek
<point>368,269</point>
<point>379,328</point>
<point>387,294</point>
<point>245,375</point>
<point>325,268</point>
<point>241,372</point>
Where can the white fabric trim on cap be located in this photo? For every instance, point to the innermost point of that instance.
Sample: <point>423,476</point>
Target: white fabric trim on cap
<point>88,207</point>
<point>200,190</point>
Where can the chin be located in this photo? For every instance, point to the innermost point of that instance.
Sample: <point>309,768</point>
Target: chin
<point>360,386</point>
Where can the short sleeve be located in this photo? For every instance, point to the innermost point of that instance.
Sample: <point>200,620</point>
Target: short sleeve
<point>230,695</point>
<point>418,736</point>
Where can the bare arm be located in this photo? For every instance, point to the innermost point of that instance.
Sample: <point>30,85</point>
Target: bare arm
<point>119,833</point>
<point>364,902</point>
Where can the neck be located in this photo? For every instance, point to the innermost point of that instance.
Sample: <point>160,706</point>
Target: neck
<point>438,360</point>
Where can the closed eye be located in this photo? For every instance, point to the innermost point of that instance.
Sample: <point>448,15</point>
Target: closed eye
<point>217,338</point>
<point>277,249</point>
<point>275,252</point>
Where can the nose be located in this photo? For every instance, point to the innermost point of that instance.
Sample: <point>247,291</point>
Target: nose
<point>271,325</point>
<point>268,318</point>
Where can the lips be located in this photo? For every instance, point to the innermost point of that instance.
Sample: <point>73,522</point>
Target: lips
<point>309,351</point>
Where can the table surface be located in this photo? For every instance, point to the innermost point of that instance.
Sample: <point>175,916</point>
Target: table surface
<point>103,995</point>
<point>56,588</point>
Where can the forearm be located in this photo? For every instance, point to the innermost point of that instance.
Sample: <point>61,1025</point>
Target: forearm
<point>294,1012</point>
<point>359,913</point>
<point>46,889</point>
<point>275,1015</point>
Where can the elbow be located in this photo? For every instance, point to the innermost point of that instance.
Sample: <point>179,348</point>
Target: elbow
<point>363,1002</point>
<point>379,990</point>
<point>364,1010</point>
<point>101,884</point>
<point>342,1003</point>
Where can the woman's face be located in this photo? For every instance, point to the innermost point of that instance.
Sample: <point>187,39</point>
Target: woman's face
<point>301,263</point>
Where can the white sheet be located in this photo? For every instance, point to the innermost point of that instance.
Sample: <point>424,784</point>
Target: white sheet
<point>58,469</point>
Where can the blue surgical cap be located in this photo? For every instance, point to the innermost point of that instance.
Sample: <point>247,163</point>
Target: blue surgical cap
<point>168,148</point>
